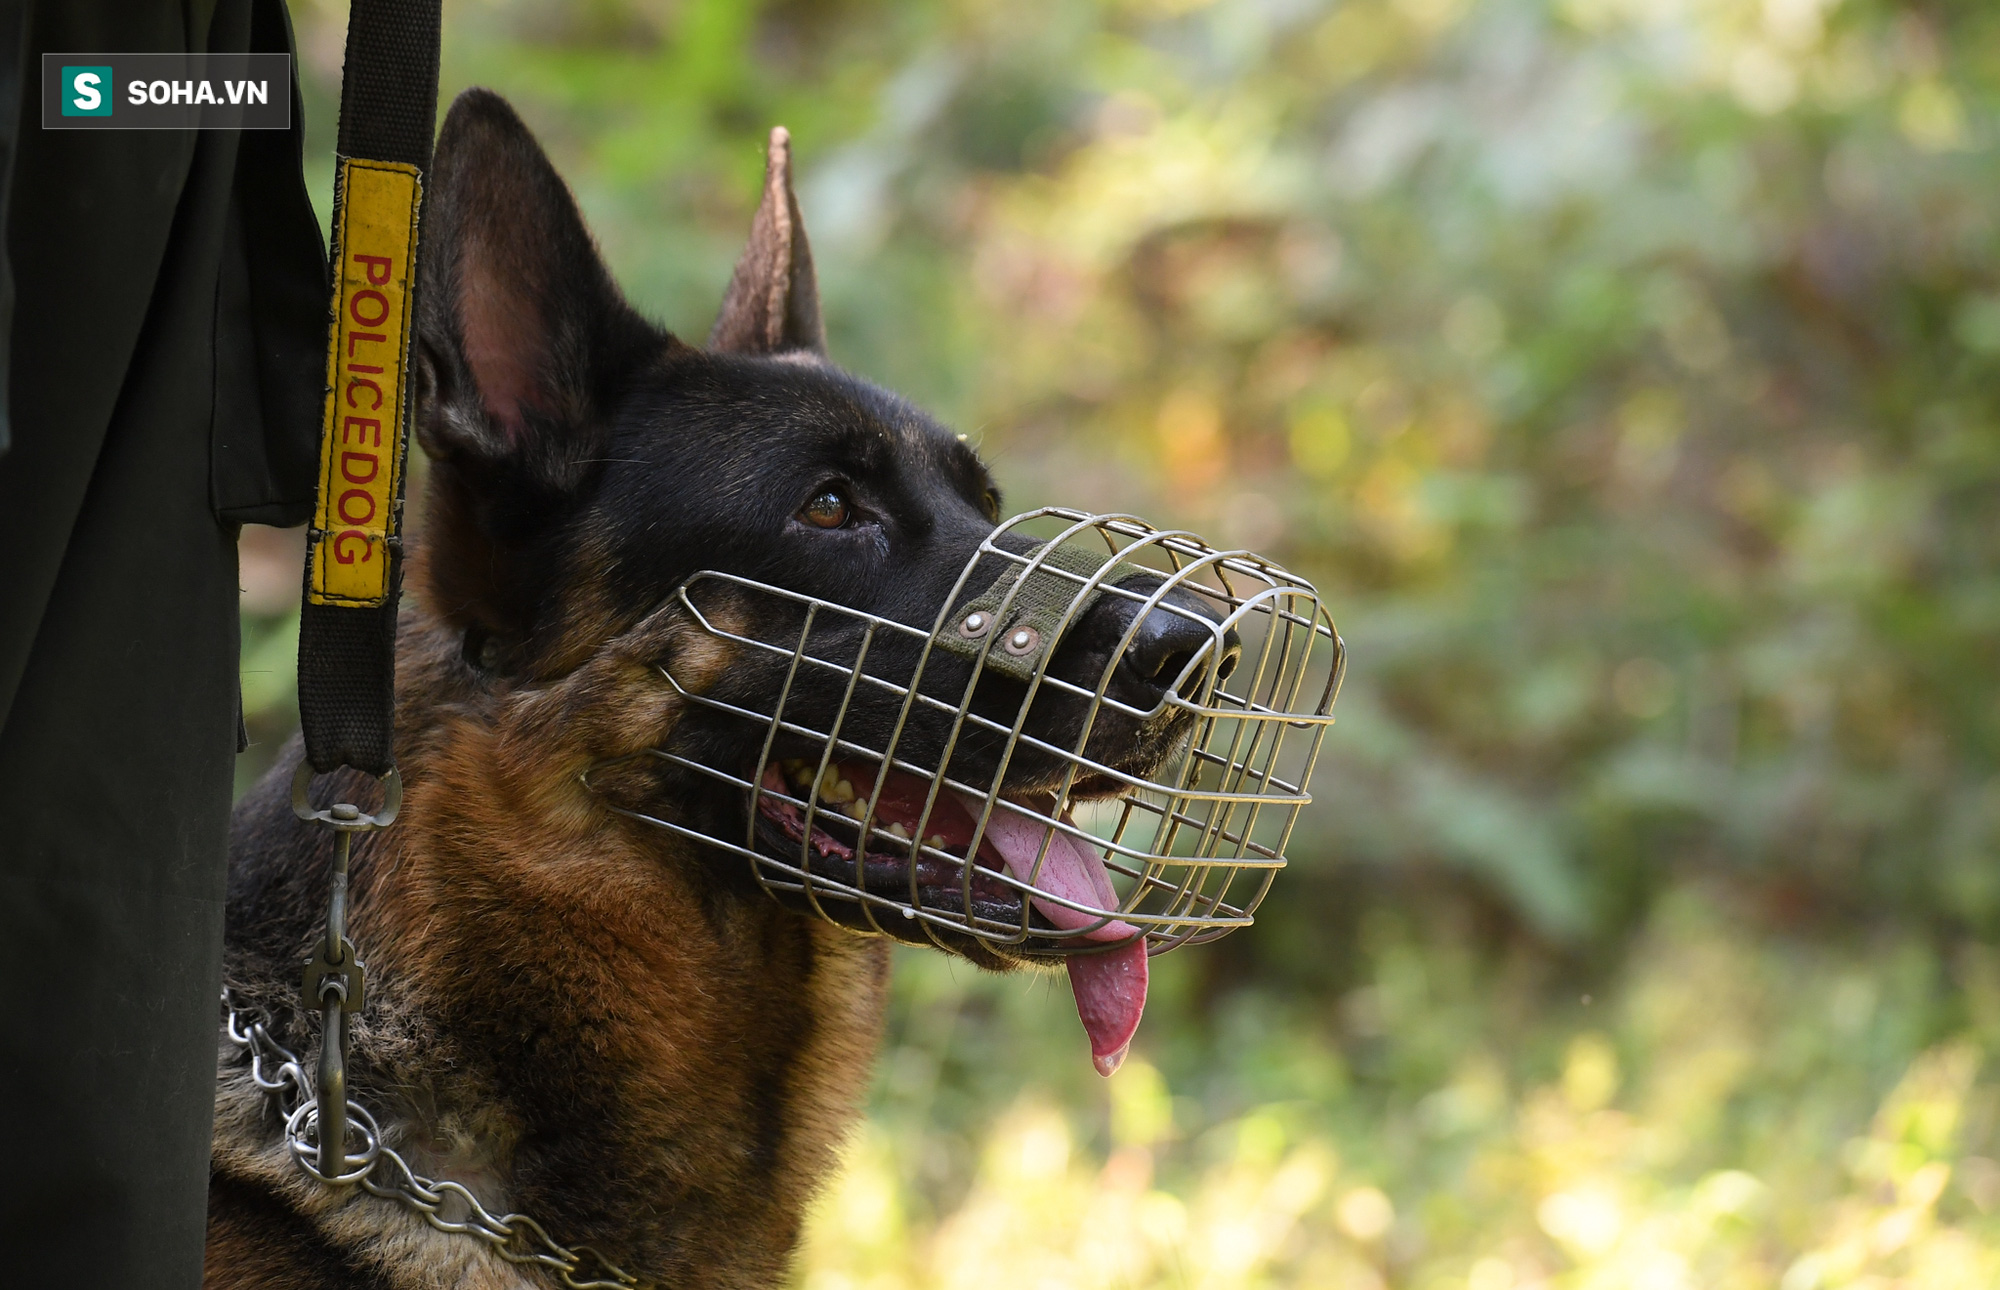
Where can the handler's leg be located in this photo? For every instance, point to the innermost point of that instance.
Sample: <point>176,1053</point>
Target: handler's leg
<point>116,756</point>
<point>115,768</point>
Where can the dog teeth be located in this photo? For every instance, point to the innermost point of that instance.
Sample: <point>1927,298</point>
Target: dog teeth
<point>898,832</point>
<point>935,840</point>
<point>832,788</point>
<point>854,810</point>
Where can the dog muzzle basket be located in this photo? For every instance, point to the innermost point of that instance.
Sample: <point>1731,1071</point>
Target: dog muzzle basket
<point>988,775</point>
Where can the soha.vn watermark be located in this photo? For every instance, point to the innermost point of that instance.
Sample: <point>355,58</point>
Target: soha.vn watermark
<point>166,91</point>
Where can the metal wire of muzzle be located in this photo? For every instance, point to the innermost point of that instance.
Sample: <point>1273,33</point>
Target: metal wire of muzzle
<point>928,822</point>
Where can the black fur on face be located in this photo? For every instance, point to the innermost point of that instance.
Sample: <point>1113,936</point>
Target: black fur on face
<point>587,464</point>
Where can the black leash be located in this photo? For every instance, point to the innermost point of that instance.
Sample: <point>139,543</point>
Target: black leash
<point>354,555</point>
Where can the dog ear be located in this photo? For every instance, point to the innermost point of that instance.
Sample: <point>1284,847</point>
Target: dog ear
<point>772,305</point>
<point>524,348</point>
<point>524,336</point>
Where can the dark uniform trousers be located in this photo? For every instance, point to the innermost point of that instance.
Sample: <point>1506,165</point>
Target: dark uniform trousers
<point>167,324</point>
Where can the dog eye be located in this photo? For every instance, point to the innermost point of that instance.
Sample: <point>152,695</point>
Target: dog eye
<point>828,510</point>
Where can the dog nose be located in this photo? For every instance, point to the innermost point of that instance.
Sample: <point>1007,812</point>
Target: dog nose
<point>1167,640</point>
<point>1176,645</point>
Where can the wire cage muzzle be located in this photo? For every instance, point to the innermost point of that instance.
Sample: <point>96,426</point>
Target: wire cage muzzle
<point>1098,803</point>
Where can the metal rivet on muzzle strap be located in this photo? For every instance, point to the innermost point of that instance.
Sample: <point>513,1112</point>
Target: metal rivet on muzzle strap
<point>975,625</point>
<point>1023,641</point>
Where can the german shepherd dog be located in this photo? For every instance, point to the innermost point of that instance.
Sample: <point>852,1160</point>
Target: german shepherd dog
<point>603,1025</point>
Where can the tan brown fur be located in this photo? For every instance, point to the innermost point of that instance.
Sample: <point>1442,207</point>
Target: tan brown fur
<point>506,872</point>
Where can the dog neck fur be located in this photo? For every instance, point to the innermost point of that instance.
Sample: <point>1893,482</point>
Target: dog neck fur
<point>568,1013</point>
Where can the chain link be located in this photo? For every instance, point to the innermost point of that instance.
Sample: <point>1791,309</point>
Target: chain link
<point>382,1172</point>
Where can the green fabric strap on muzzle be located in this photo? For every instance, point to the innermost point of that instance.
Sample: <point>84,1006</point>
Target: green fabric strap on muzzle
<point>1039,608</point>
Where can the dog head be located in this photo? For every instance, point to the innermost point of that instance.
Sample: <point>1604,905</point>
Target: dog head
<point>587,465</point>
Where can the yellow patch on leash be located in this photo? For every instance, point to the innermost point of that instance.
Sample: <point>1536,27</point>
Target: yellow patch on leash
<point>361,441</point>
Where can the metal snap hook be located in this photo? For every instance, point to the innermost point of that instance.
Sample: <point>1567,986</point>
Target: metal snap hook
<point>1022,641</point>
<point>345,816</point>
<point>975,625</point>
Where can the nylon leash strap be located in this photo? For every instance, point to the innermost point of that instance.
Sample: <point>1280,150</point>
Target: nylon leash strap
<point>353,571</point>
<point>354,556</point>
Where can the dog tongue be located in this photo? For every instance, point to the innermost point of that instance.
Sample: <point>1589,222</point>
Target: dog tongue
<point>1110,988</point>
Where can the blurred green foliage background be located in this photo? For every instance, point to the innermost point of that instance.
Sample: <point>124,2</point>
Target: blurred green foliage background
<point>1625,372</point>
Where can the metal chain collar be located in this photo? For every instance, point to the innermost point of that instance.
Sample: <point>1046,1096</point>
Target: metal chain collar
<point>334,986</point>
<point>382,1172</point>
